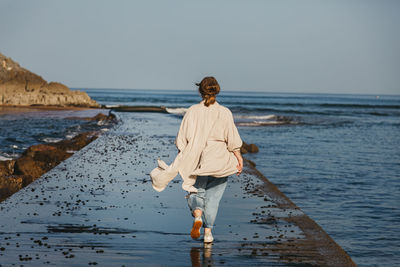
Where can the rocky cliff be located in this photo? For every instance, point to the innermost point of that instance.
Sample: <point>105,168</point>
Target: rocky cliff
<point>19,86</point>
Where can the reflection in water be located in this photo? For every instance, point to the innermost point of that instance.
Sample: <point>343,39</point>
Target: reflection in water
<point>207,256</point>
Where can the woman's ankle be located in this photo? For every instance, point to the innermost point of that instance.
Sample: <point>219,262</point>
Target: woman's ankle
<point>207,230</point>
<point>197,213</point>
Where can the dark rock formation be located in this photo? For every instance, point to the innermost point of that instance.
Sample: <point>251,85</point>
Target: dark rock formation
<point>99,117</point>
<point>20,87</point>
<point>9,186</point>
<point>6,167</point>
<point>248,148</point>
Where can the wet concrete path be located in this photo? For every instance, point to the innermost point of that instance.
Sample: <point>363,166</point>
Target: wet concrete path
<point>98,208</point>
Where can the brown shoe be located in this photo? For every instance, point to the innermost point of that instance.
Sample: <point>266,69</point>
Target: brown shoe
<point>195,233</point>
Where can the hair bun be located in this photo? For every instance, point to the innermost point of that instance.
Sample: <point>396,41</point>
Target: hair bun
<point>213,88</point>
<point>208,89</point>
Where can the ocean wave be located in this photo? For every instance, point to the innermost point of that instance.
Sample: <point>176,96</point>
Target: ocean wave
<point>285,111</point>
<point>261,123</point>
<point>51,140</point>
<point>278,105</point>
<point>7,156</point>
<point>264,120</point>
<point>177,111</point>
<point>71,135</point>
<point>247,120</point>
<point>112,106</point>
<point>2,158</point>
<point>323,112</point>
<point>255,117</point>
<point>325,109</point>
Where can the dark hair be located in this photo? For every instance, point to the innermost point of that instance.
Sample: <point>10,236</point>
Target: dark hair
<point>208,88</point>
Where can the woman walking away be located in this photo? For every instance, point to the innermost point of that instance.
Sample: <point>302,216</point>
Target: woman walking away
<point>209,151</point>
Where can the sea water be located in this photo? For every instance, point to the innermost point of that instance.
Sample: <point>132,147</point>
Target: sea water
<point>336,156</point>
<point>23,127</point>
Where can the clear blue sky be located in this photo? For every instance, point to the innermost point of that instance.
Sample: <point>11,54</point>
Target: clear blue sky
<point>341,46</point>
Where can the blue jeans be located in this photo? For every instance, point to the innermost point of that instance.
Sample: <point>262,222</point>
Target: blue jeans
<point>209,193</point>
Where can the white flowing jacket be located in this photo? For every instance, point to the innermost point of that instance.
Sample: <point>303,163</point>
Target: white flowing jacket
<point>206,140</point>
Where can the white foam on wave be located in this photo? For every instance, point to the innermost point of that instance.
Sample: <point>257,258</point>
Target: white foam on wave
<point>258,120</point>
<point>70,136</point>
<point>51,140</point>
<point>177,111</point>
<point>2,158</point>
<point>73,134</point>
<point>260,123</point>
<point>6,156</point>
<point>255,117</point>
<point>112,106</point>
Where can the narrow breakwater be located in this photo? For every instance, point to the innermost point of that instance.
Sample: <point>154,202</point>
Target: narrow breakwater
<point>98,208</point>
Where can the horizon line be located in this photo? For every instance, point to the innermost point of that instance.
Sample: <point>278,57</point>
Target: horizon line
<point>236,91</point>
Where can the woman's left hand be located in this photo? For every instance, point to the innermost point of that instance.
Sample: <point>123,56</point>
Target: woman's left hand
<point>240,161</point>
